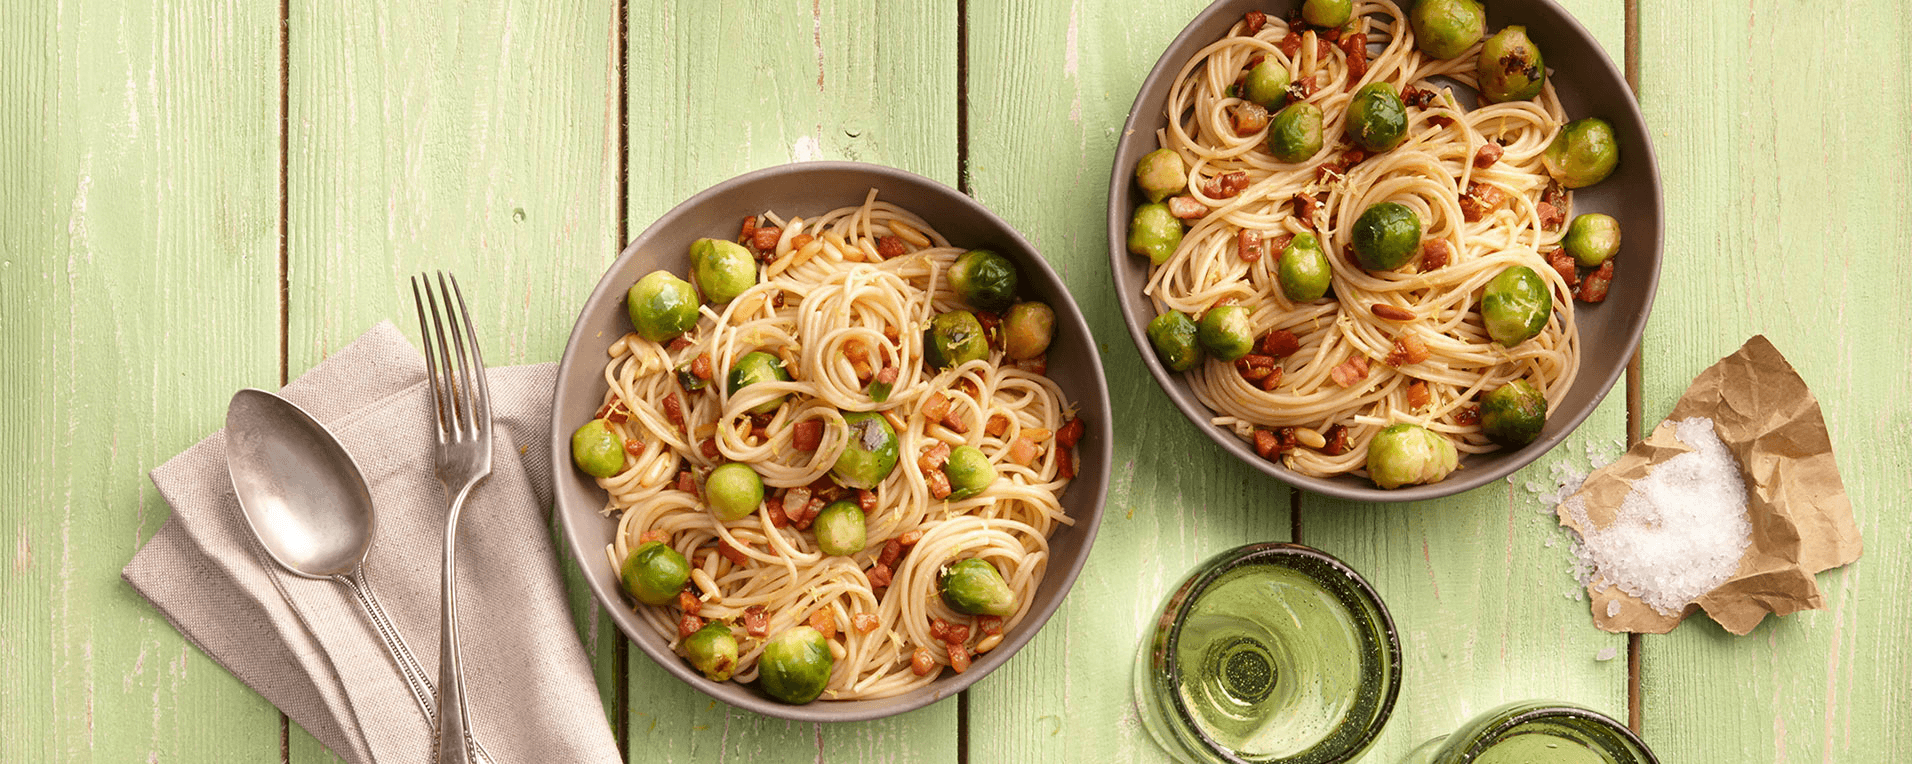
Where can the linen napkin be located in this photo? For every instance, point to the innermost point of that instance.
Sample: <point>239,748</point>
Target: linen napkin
<point>306,645</point>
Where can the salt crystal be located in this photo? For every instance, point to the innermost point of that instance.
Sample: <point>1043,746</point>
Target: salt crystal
<point>1613,609</point>
<point>1681,530</point>
<point>1607,653</point>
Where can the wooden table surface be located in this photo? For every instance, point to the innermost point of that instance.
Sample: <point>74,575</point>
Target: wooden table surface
<point>203,195</point>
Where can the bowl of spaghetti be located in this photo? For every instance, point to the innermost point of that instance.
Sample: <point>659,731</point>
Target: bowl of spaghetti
<point>850,265</point>
<point>1384,346</point>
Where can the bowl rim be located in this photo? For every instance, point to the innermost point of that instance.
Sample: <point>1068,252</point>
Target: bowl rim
<point>1095,465</point>
<point>1119,210</point>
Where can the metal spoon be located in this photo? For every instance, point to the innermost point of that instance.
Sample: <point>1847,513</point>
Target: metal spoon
<point>305,500</point>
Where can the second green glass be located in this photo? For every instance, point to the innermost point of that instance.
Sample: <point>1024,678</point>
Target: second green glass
<point>1269,653</point>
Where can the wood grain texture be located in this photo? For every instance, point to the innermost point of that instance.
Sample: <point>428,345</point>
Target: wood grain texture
<point>1050,85</point>
<point>1479,583</point>
<point>477,139</point>
<point>717,90</point>
<point>137,290</point>
<point>1788,216</point>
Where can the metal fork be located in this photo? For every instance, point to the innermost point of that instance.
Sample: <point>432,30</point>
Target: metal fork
<point>462,456</point>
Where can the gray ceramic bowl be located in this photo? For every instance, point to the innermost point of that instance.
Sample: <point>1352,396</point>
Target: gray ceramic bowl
<point>810,189</point>
<point>1588,85</point>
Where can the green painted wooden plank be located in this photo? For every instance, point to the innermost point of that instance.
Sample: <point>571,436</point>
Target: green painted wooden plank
<point>136,291</point>
<point>481,140</point>
<point>717,90</point>
<point>1479,583</point>
<point>1787,201</point>
<point>1050,85</point>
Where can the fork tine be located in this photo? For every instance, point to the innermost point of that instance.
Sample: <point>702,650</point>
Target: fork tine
<point>448,387</point>
<point>463,371</point>
<point>426,348</point>
<point>482,403</point>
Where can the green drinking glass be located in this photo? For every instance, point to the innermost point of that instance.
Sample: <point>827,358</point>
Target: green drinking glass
<point>1268,653</point>
<point>1536,732</point>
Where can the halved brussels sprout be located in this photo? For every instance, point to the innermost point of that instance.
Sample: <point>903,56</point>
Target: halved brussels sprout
<point>1028,330</point>
<point>1513,414</point>
<point>1297,133</point>
<point>734,491</point>
<point>661,306</point>
<point>713,651</point>
<point>841,529</point>
<point>1154,233</point>
<point>1160,174</point>
<point>654,573</point>
<point>1174,338</point>
<point>955,338</point>
<point>1226,332</point>
<point>1377,118</point>
<point>795,665</point>
<point>1266,84</point>
<point>1510,67</point>
<point>1305,273</point>
<point>1447,28</point>
<point>1408,454</point>
<point>1515,305</point>
<point>984,280</point>
<point>597,451</point>
<point>1386,236</point>
<point>975,587</point>
<point>968,471</point>
<point>756,367</point>
<point>1584,153</point>
<point>1593,238</point>
<point>871,452</point>
<point>722,269</point>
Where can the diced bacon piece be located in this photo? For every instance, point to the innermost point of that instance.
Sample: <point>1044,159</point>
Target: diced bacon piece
<point>702,367</point>
<point>634,447</point>
<point>1271,381</point>
<point>688,601</point>
<point>1288,439</point>
<point>890,553</point>
<point>766,238</point>
<point>865,623</point>
<point>799,240</point>
<point>794,503</point>
<point>1594,288</point>
<point>1279,343</point>
<point>1441,120</point>
<point>958,658</point>
<point>1290,45</point>
<point>1267,445</point>
<point>747,227</point>
<point>1186,207</point>
<point>887,375</point>
<point>953,422</point>
<point>1336,441</point>
<point>806,434</point>
<point>805,520</point>
<point>1480,200</point>
<point>653,535</point>
<point>1435,254</point>
<point>1305,206</point>
<point>867,500</point>
<point>1416,97</point>
<point>890,247</point>
<point>1023,452</point>
<point>879,577</point>
<point>1249,249</point>
<point>1070,433</point>
<point>755,620</point>
<point>1407,349</point>
<point>1248,118</point>
<point>1488,154</point>
<point>710,449</point>
<point>686,482</point>
<point>1563,264</point>
<point>1254,366</point>
<point>1355,46</point>
<point>679,343</point>
<point>1351,371</point>
<point>1301,90</point>
<point>1550,216</point>
<point>935,407</point>
<point>1417,394</point>
<point>675,414</point>
<point>1067,465</point>
<point>776,514</point>
<point>997,425</point>
<point>822,621</point>
<point>733,553</point>
<point>1468,414</point>
<point>910,538</point>
<point>1034,365</point>
<point>1255,20</point>
<point>933,457</point>
<point>923,662</point>
<point>988,624</point>
<point>938,485</point>
<point>689,624</point>
<point>938,628</point>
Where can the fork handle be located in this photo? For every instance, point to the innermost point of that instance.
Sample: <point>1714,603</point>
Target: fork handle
<point>455,743</point>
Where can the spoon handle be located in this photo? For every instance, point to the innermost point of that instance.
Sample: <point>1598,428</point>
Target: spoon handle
<point>410,668</point>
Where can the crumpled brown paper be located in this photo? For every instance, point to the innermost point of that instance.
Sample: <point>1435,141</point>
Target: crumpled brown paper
<point>1802,521</point>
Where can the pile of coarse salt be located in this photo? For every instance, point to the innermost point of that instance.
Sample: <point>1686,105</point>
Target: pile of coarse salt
<point>1681,530</point>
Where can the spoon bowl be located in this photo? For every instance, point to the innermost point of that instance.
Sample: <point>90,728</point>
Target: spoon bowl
<point>299,489</point>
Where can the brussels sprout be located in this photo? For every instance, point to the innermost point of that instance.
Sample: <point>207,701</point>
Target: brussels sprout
<point>1305,273</point>
<point>955,338</point>
<point>1584,153</point>
<point>1266,84</point>
<point>1296,134</point>
<point>984,280</point>
<point>1160,174</point>
<point>1226,332</point>
<point>713,651</point>
<point>1593,238</point>
<point>1028,330</point>
<point>1173,337</point>
<point>1376,118</point>
<point>753,368</point>
<point>1513,414</point>
<point>597,451</point>
<point>969,472</point>
<point>795,665</point>
<point>734,491</point>
<point>871,452</point>
<point>1327,13</point>
<point>662,306</point>
<point>654,573</point>
<point>1510,66</point>
<point>1447,28</point>
<point>841,529</point>
<point>1386,236</point>
<point>1408,454</point>
<point>723,269</point>
<point>1154,233</point>
<point>974,586</point>
<point>1515,305</point>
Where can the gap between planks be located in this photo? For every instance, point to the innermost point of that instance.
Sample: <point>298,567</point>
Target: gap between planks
<point>962,173</point>
<point>622,696</point>
<point>1632,65</point>
<point>286,57</point>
